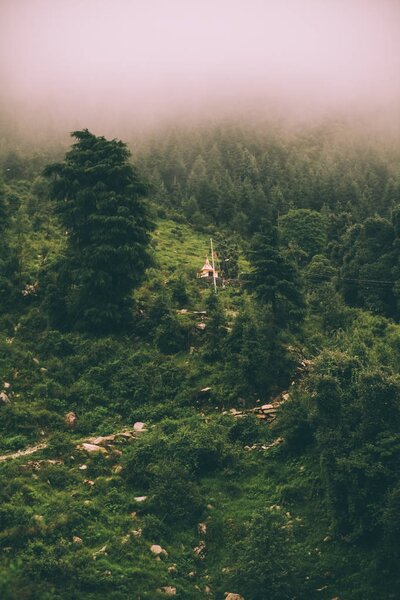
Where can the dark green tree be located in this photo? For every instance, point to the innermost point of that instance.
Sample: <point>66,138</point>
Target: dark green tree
<point>274,279</point>
<point>305,229</point>
<point>98,198</point>
<point>9,264</point>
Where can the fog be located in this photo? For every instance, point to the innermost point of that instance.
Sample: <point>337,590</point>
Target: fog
<point>116,65</point>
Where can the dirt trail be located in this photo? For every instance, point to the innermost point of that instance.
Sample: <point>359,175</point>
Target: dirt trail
<point>25,452</point>
<point>97,440</point>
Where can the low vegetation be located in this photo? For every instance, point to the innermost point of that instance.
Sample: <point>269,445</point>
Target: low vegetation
<point>177,442</point>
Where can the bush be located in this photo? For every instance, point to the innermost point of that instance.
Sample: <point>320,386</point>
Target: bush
<point>175,496</point>
<point>200,447</point>
<point>263,565</point>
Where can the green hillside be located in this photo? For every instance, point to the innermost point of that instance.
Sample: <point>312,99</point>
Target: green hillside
<point>243,442</point>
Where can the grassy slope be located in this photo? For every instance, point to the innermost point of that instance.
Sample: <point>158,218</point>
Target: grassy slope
<point>45,505</point>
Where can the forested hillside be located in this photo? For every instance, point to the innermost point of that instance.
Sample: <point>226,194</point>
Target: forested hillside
<point>159,439</point>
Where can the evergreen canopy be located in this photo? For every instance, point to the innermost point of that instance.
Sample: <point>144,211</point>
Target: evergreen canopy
<point>98,196</point>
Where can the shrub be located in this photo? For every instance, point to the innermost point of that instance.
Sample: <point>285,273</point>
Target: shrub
<point>175,496</point>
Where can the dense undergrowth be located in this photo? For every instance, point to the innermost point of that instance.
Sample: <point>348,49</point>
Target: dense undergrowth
<point>313,517</point>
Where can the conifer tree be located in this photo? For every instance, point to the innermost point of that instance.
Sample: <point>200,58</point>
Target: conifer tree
<point>98,198</point>
<point>274,279</point>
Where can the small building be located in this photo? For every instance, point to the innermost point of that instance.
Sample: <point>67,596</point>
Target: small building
<point>207,271</point>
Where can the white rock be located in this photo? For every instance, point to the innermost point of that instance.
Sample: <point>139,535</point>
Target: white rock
<point>77,540</point>
<point>202,528</point>
<point>172,569</point>
<point>92,448</point>
<point>231,596</point>
<point>102,550</point>
<point>137,532</point>
<point>139,426</point>
<point>169,590</point>
<point>4,398</point>
<point>158,550</point>
<point>140,498</point>
<point>70,419</point>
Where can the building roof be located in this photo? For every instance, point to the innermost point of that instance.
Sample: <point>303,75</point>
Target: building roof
<point>207,266</point>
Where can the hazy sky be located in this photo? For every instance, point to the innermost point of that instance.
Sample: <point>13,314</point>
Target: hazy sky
<point>151,58</point>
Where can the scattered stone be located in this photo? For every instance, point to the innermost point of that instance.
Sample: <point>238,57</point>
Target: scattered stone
<point>36,465</point>
<point>70,419</point>
<point>207,589</point>
<point>137,532</point>
<point>82,467</point>
<point>6,385</point>
<point>169,590</point>
<point>102,550</point>
<point>200,549</point>
<point>202,528</point>
<point>158,550</point>
<point>4,399</point>
<point>192,574</point>
<point>140,498</point>
<point>133,515</point>
<point>172,569</point>
<point>88,482</point>
<point>200,326</point>
<point>102,439</point>
<point>206,389</point>
<point>139,426</point>
<point>117,469</point>
<point>91,448</point>
<point>231,596</point>
<point>327,538</point>
<point>38,518</point>
<point>77,540</point>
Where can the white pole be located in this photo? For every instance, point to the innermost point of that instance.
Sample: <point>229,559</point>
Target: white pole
<point>213,266</point>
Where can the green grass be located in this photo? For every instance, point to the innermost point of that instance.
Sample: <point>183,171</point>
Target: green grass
<point>179,248</point>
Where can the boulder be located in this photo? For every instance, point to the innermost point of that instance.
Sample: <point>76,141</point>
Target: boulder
<point>158,550</point>
<point>137,532</point>
<point>172,568</point>
<point>202,528</point>
<point>231,596</point>
<point>200,549</point>
<point>101,439</point>
<point>169,590</point>
<point>139,426</point>
<point>102,550</point>
<point>92,448</point>
<point>140,498</point>
<point>77,540</point>
<point>70,419</point>
<point>4,399</point>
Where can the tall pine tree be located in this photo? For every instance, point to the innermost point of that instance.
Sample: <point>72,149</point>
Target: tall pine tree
<point>98,198</point>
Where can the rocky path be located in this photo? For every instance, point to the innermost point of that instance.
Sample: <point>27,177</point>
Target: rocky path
<point>24,452</point>
<point>90,444</point>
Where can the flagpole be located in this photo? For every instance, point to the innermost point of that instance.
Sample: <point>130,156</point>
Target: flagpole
<point>213,266</point>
